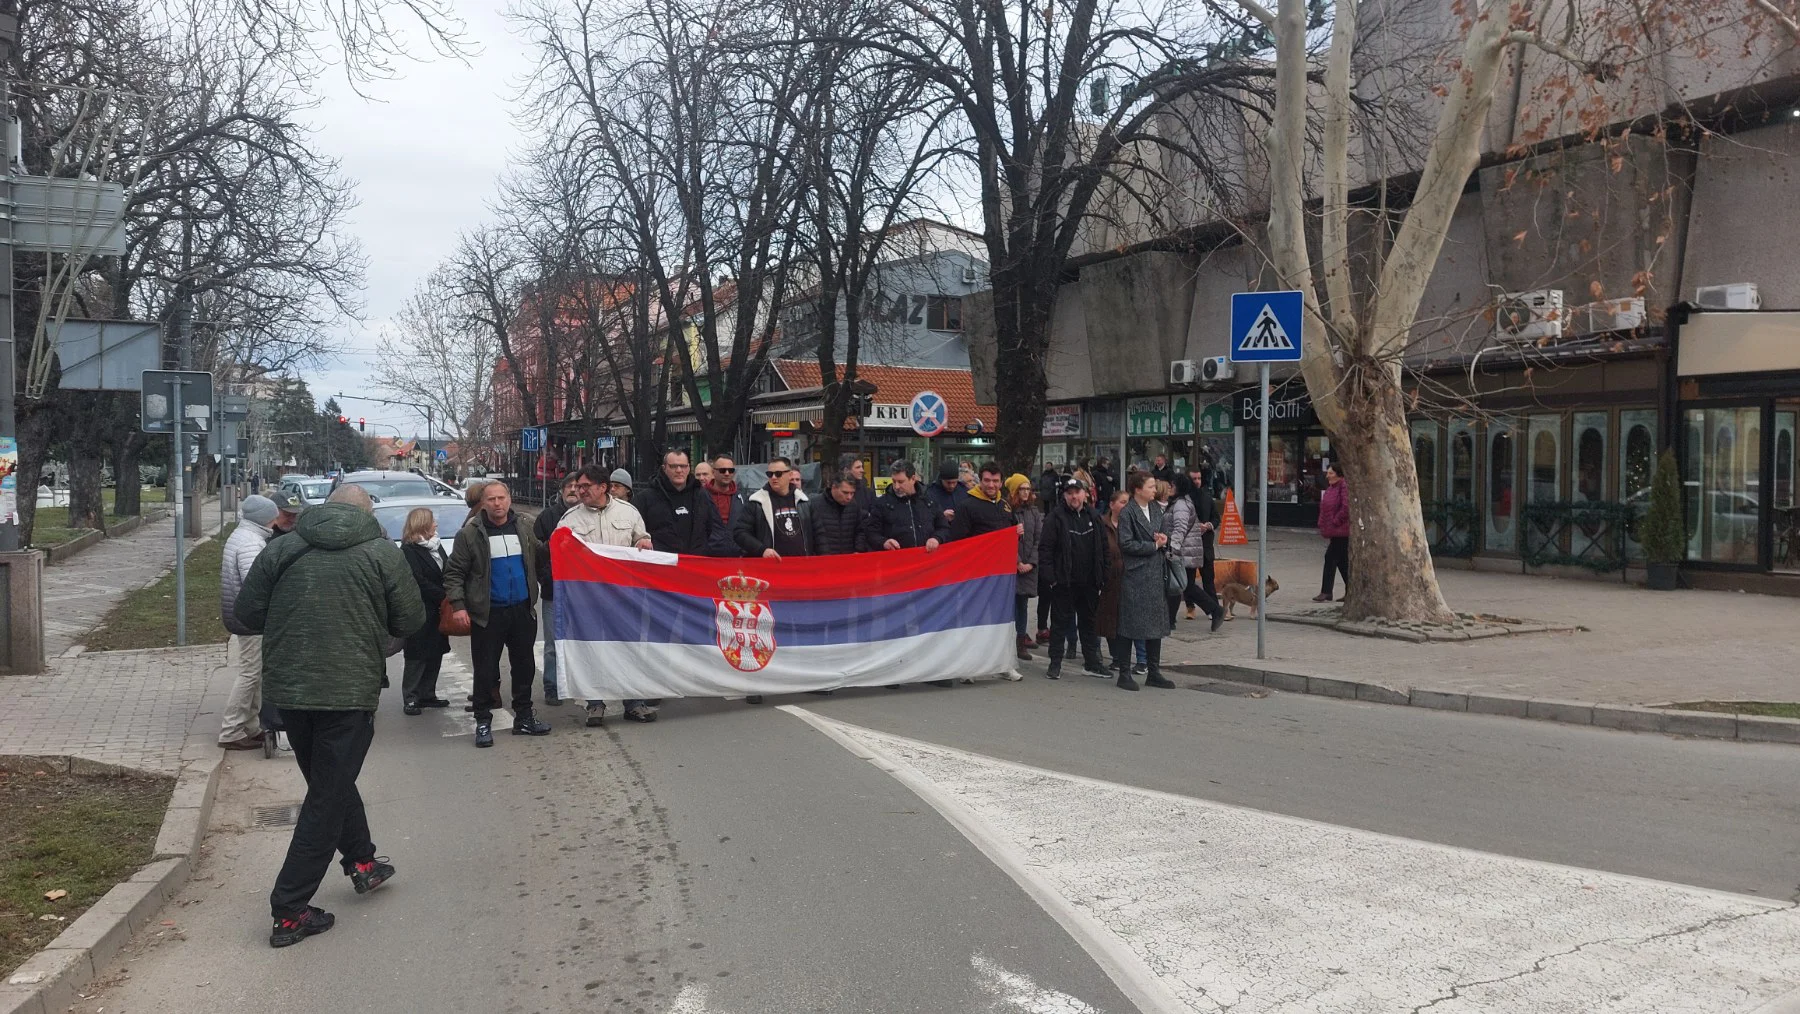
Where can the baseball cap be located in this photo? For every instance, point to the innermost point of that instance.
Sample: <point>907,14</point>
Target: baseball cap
<point>285,501</point>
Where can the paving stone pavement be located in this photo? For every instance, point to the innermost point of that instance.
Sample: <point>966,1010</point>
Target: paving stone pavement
<point>130,708</point>
<point>1640,647</point>
<point>79,592</point>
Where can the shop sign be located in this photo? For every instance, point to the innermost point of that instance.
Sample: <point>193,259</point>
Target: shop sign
<point>789,425</point>
<point>889,416</point>
<point>1181,414</point>
<point>1062,421</point>
<point>1147,417</point>
<point>1216,418</point>
<point>606,443</point>
<point>789,448</point>
<point>1289,406</point>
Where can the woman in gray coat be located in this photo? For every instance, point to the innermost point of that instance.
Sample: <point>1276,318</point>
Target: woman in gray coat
<point>1031,520</point>
<point>1190,534</point>
<point>1143,610</point>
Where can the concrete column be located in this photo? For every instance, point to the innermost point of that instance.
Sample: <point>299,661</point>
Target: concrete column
<point>22,633</point>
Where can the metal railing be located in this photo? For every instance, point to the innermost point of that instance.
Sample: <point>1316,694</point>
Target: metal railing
<point>1451,527</point>
<point>1595,534</point>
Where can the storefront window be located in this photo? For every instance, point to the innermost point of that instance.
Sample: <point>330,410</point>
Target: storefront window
<point>1218,456</point>
<point>1546,458</point>
<point>1782,513</point>
<point>1284,469</point>
<point>1500,454</point>
<point>1590,456</point>
<point>1462,463</point>
<point>1425,458</point>
<point>1637,463</point>
<point>1312,467</point>
<point>1724,482</point>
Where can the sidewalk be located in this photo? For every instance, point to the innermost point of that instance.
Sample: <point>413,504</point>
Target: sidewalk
<point>1640,647</point>
<point>130,708</point>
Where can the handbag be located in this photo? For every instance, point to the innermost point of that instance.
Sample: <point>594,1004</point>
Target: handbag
<point>1175,578</point>
<point>447,622</point>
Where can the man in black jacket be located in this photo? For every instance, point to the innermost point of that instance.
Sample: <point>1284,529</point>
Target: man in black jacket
<point>901,518</point>
<point>1072,570</point>
<point>947,494</point>
<point>676,510</point>
<point>777,521</point>
<point>984,510</point>
<point>837,518</point>
<point>542,527</point>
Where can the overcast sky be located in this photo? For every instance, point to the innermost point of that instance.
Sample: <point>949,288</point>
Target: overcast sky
<point>425,155</point>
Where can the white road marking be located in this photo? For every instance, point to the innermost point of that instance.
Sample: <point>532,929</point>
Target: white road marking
<point>455,682</point>
<point>1014,992</point>
<point>692,1000</point>
<point>1192,905</point>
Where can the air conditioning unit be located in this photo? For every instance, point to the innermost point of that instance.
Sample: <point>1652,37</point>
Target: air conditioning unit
<point>1184,371</point>
<point>971,275</point>
<point>1217,368</point>
<point>1607,315</point>
<point>1731,296</point>
<point>1522,317</point>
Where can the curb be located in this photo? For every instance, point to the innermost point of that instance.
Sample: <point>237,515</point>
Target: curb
<point>1625,717</point>
<point>51,980</point>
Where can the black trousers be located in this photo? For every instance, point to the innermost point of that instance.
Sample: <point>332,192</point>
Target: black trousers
<point>1337,558</point>
<point>1199,590</point>
<point>1043,612</point>
<point>512,629</point>
<point>419,683</point>
<point>1120,648</point>
<point>329,746</point>
<point>1072,611</point>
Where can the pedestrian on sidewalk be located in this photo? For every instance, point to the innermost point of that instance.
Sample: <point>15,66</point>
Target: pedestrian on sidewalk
<point>1192,515</point>
<point>491,582</point>
<point>606,520</point>
<point>424,652</point>
<point>1143,606</point>
<point>240,727</point>
<point>1334,527</point>
<point>542,527</point>
<point>1019,496</point>
<point>1072,568</point>
<point>326,601</point>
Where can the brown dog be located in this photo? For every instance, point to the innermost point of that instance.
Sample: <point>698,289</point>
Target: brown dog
<point>1235,594</point>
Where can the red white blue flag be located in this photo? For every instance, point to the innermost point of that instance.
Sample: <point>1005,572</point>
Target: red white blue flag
<point>634,623</point>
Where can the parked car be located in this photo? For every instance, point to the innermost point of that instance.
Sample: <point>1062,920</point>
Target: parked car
<point>386,485</point>
<point>392,514</point>
<point>310,490</point>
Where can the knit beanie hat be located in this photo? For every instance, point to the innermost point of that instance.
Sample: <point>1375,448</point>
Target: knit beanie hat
<point>259,509</point>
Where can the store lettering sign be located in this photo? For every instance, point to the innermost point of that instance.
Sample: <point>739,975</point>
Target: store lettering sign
<point>889,416</point>
<point>1289,405</point>
<point>1062,421</point>
<point>1147,417</point>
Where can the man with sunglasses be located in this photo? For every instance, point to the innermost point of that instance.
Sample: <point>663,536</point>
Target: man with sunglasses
<point>728,502</point>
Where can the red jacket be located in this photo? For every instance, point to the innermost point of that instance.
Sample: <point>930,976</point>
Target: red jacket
<point>1334,511</point>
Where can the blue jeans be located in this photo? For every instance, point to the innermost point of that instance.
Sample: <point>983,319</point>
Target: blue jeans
<point>549,611</point>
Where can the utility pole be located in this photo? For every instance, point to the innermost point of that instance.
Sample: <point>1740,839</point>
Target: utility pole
<point>9,353</point>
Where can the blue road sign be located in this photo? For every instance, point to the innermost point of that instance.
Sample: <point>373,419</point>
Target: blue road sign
<point>531,439</point>
<point>1265,326</point>
<point>443,455</point>
<point>930,414</point>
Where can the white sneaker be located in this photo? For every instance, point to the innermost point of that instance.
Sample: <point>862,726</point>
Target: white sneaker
<point>1012,677</point>
<point>282,744</point>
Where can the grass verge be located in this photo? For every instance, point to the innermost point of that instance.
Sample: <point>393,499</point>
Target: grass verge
<point>51,526</point>
<point>76,833</point>
<point>1764,709</point>
<point>146,617</point>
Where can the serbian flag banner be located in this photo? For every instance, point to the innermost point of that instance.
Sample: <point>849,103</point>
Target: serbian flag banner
<point>634,623</point>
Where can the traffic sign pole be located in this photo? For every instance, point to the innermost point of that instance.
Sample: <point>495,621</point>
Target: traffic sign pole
<point>1262,520</point>
<point>1266,327</point>
<point>177,383</point>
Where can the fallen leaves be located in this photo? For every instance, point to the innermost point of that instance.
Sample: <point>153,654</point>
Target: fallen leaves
<point>56,895</point>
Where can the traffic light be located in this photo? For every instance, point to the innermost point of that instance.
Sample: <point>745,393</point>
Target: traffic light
<point>361,426</point>
<point>343,420</point>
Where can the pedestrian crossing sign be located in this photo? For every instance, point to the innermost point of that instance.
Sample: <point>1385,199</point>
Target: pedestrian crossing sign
<point>1265,326</point>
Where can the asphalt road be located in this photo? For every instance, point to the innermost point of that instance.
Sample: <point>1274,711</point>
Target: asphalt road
<point>735,859</point>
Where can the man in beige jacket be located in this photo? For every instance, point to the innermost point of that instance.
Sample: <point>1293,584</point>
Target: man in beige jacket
<point>606,520</point>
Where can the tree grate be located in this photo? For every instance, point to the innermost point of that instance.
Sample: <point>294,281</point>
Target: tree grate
<point>276,815</point>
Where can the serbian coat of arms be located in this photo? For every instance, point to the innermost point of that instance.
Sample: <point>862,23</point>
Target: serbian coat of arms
<point>746,624</point>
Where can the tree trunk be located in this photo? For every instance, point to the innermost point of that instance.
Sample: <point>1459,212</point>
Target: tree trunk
<point>36,420</point>
<point>1391,571</point>
<point>1021,337</point>
<point>87,507</point>
<point>127,488</point>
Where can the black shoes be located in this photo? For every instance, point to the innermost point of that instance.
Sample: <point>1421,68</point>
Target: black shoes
<point>551,700</point>
<point>1139,669</point>
<point>1055,670</point>
<point>412,709</point>
<point>1127,683</point>
<point>292,929</point>
<point>821,693</point>
<point>1218,620</point>
<point>528,724</point>
<point>1095,667</point>
<point>753,699</point>
<point>1159,681</point>
<point>484,734</point>
<point>367,876</point>
<point>940,683</point>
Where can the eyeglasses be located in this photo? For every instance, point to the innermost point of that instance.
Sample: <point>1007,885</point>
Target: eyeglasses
<point>726,471</point>
<point>585,485</point>
<point>773,472</point>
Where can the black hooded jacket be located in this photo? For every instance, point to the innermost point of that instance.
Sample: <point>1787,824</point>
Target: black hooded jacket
<point>679,521</point>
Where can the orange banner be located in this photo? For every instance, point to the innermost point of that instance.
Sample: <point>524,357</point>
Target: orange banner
<point>1231,526</point>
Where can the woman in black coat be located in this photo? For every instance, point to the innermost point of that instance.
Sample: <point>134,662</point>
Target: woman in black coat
<point>425,650</point>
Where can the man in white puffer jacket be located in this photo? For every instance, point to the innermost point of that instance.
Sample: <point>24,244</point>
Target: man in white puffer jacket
<point>241,728</point>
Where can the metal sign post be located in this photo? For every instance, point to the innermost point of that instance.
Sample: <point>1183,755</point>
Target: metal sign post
<point>175,476</point>
<point>1265,328</point>
<point>169,397</point>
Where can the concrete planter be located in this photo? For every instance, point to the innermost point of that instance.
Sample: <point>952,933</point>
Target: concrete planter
<point>1662,576</point>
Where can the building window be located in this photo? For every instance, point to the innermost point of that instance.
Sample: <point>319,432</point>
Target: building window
<point>1425,458</point>
<point>944,313</point>
<point>1590,456</point>
<point>1462,463</point>
<point>1500,486</point>
<point>1546,458</point>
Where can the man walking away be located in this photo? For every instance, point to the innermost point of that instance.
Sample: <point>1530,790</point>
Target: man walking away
<point>776,523</point>
<point>241,729</point>
<point>837,520</point>
<point>984,509</point>
<point>902,518</point>
<point>491,582</point>
<point>325,601</point>
<point>542,527</point>
<point>677,511</point>
<point>728,503</point>
<point>1072,570</point>
<point>601,518</point>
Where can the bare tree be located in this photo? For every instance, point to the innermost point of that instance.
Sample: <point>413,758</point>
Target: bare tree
<point>439,354</point>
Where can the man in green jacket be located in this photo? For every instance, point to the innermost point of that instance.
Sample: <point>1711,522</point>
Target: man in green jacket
<point>326,600</point>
